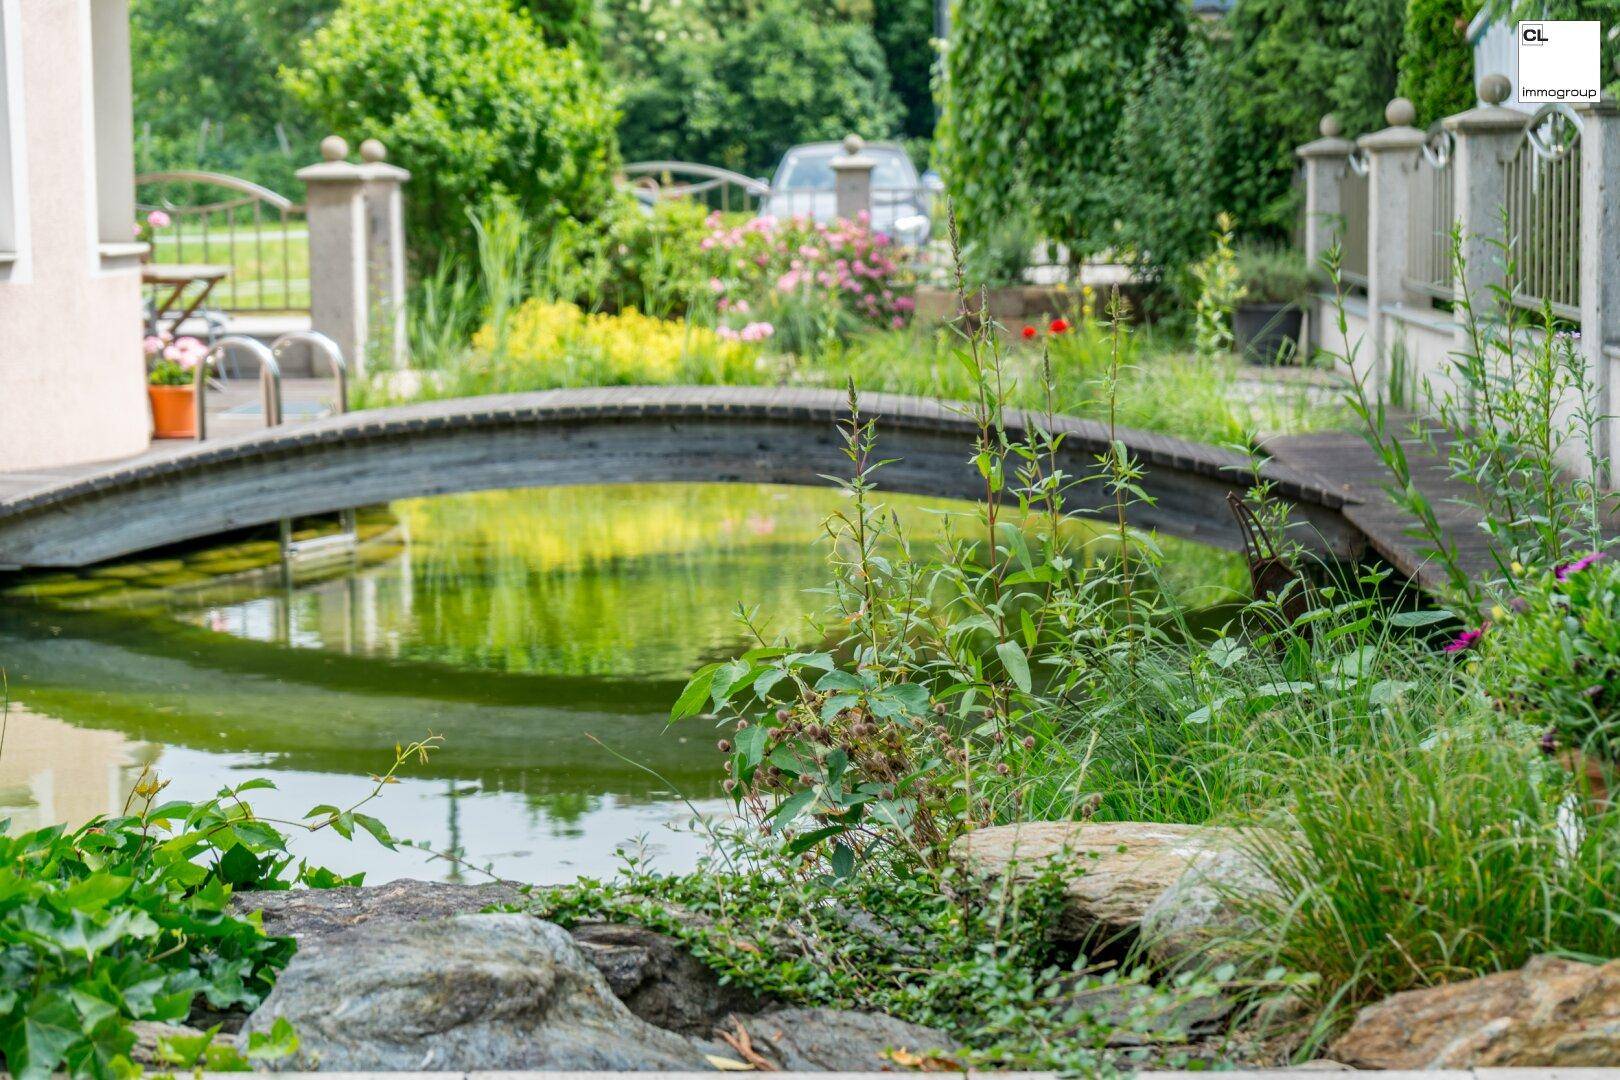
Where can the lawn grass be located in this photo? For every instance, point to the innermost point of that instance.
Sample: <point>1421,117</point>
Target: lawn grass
<point>269,266</point>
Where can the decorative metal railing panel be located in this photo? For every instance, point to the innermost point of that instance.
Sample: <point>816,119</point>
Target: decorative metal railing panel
<point>1353,238</point>
<point>720,189</point>
<point>1431,216</point>
<point>1544,213</point>
<point>261,235</point>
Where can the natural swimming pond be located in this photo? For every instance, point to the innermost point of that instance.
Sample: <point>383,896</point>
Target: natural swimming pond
<point>544,633</point>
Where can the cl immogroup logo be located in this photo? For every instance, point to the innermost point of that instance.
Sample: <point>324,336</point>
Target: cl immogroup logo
<point>1559,60</point>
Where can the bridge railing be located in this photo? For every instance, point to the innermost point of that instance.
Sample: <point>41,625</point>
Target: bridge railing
<point>262,235</point>
<point>1530,200</point>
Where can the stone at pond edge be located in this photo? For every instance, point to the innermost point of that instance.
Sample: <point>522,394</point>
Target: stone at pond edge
<point>836,1040</point>
<point>658,980</point>
<point>473,992</point>
<point>1550,1013</point>
<point>311,914</point>
<point>1114,870</point>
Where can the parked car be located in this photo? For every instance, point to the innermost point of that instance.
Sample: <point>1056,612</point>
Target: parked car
<point>901,200</point>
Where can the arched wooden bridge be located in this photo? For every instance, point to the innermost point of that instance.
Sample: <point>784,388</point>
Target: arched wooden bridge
<point>608,435</point>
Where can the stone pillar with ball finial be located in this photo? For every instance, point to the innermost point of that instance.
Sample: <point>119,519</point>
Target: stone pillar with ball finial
<point>338,238</point>
<point>1483,142</point>
<point>385,251</point>
<point>1327,163</point>
<point>852,172</point>
<point>1392,161</point>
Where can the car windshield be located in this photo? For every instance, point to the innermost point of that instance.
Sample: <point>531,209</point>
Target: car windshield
<point>809,168</point>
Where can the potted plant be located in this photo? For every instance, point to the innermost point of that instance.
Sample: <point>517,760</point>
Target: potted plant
<point>171,385</point>
<point>1276,282</point>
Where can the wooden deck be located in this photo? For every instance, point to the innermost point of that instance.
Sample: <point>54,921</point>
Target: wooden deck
<point>235,410</point>
<point>1346,460</point>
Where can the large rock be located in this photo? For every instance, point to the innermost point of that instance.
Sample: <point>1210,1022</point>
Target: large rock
<point>474,992</point>
<point>1115,870</point>
<point>1204,912</point>
<point>311,914</point>
<point>836,1040</point>
<point>1550,1013</point>
<point>658,980</point>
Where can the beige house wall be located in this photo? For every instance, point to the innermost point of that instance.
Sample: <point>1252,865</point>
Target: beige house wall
<point>72,381</point>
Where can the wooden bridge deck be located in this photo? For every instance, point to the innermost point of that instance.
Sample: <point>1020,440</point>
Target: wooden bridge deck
<point>1346,460</point>
<point>316,461</point>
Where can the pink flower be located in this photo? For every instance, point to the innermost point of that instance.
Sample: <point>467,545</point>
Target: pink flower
<point>152,345</point>
<point>716,285</point>
<point>897,322</point>
<point>788,281</point>
<point>158,219</point>
<point>1568,570</point>
<point>1465,640</point>
<point>757,331</point>
<point>904,303</point>
<point>188,352</point>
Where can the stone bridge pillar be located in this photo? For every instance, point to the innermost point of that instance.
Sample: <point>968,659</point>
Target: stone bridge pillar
<point>385,251</point>
<point>338,306</point>
<point>853,179</point>
<point>1483,142</point>
<point>1392,161</point>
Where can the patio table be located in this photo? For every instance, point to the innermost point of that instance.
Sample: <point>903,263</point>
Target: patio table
<point>176,308</point>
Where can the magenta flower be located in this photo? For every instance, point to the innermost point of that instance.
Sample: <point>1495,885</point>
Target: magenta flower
<point>158,219</point>
<point>1568,570</point>
<point>1465,640</point>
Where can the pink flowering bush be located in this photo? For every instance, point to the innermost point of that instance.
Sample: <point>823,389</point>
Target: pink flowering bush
<point>803,279</point>
<point>1552,657</point>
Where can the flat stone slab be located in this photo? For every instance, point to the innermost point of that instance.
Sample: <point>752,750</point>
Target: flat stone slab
<point>1114,870</point>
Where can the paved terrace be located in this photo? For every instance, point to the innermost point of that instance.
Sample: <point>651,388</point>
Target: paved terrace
<point>249,475</point>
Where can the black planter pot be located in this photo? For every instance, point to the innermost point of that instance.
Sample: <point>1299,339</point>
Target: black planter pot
<point>1266,333</point>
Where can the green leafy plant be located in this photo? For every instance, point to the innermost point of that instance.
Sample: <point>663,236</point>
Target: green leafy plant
<point>467,95</point>
<point>1273,274</point>
<point>1220,287</point>
<point>128,918</point>
<point>1014,71</point>
<point>1552,657</point>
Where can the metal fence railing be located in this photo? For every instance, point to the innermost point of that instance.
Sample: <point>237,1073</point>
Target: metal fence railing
<point>262,236</point>
<point>1353,208</point>
<point>1544,213</point>
<point>717,188</point>
<point>1431,213</point>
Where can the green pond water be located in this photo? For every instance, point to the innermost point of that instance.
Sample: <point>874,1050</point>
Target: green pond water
<point>528,628</point>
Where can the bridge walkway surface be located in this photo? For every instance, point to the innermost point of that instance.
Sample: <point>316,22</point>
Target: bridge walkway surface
<point>1346,460</point>
<point>245,475</point>
<point>234,410</point>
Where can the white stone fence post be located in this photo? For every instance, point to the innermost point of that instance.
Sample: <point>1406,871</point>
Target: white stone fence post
<point>357,251</point>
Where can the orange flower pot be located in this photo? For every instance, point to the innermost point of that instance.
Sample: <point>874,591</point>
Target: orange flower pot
<point>174,411</point>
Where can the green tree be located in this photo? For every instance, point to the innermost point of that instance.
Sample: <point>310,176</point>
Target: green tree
<point>741,96</point>
<point>1437,63</point>
<point>205,88</point>
<point>1034,91</point>
<point>565,22</point>
<point>905,32</point>
<point>466,95</point>
<point>1286,63</point>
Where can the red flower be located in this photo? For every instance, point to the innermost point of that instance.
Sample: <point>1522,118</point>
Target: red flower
<point>1029,332</point>
<point>1059,325</point>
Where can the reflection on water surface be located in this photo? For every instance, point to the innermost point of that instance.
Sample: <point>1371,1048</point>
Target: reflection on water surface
<point>519,625</point>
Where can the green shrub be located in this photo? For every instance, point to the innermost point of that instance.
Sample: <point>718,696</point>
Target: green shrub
<point>1437,63</point>
<point>1285,64</point>
<point>468,97</point>
<point>1553,658</point>
<point>1273,273</point>
<point>1031,105</point>
<point>629,258</point>
<point>741,95</point>
<point>1169,185</point>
